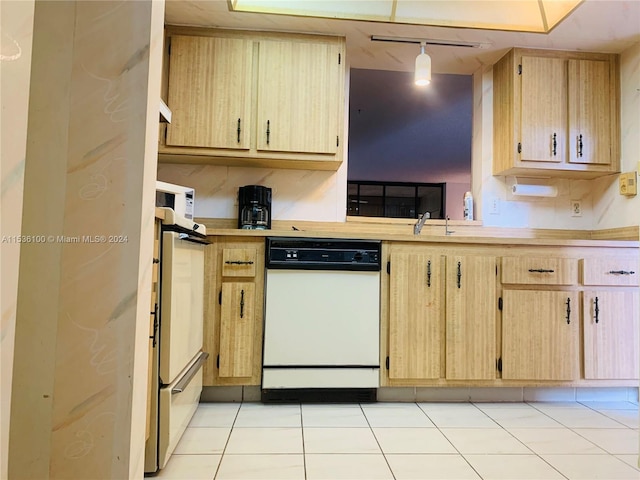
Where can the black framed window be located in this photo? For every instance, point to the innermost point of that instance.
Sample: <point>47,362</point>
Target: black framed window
<point>395,199</point>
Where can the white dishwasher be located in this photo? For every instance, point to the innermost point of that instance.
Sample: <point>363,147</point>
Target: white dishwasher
<point>322,320</point>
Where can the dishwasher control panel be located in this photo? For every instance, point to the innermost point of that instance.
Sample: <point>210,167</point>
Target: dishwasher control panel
<point>323,254</point>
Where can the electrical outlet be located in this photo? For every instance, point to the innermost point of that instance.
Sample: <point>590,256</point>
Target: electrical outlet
<point>628,184</point>
<point>494,206</point>
<point>576,208</point>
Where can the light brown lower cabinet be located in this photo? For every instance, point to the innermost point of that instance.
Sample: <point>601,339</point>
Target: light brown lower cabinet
<point>237,329</point>
<point>416,309</point>
<point>442,315</point>
<point>234,298</point>
<point>610,322</point>
<point>540,335</point>
<point>471,304</point>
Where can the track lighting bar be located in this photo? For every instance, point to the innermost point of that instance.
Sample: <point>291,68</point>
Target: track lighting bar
<point>427,41</point>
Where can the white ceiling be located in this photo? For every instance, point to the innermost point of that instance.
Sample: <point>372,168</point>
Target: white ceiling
<point>596,25</point>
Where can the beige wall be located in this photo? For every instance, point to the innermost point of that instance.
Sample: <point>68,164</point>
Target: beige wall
<point>610,208</point>
<point>16,24</point>
<point>82,315</point>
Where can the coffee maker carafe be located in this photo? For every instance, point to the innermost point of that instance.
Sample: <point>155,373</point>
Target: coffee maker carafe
<point>254,207</point>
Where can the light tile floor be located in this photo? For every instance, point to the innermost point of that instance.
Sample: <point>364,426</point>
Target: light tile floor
<point>402,441</point>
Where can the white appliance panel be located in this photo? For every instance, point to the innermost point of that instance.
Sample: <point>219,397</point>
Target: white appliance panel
<point>321,377</point>
<point>176,411</point>
<point>181,335</point>
<point>322,317</point>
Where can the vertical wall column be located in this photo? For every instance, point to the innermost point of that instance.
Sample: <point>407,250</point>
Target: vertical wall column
<point>79,381</point>
<point>16,19</point>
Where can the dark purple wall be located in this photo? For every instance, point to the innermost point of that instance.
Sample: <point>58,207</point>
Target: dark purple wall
<point>400,132</point>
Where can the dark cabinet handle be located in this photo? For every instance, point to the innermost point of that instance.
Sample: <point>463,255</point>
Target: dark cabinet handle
<point>459,274</point>
<point>597,310</point>
<point>621,272</point>
<point>241,303</point>
<point>429,273</point>
<point>268,131</point>
<point>239,130</point>
<point>540,270</point>
<point>155,326</point>
<point>580,145</point>
<point>568,311</point>
<point>555,145</point>
<point>239,262</point>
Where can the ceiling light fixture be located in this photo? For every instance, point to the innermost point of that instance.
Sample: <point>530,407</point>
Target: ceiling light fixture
<point>539,16</point>
<point>422,75</point>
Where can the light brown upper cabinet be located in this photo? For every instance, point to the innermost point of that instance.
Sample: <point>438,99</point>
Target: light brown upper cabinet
<point>254,99</point>
<point>210,92</point>
<point>556,113</point>
<point>297,111</point>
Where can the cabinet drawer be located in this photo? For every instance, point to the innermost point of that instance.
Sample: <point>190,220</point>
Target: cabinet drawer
<point>610,271</point>
<point>539,270</point>
<point>239,262</point>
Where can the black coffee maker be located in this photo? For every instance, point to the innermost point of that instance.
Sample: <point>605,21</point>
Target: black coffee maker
<point>254,207</point>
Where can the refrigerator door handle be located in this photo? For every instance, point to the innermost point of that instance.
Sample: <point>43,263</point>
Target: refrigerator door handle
<point>184,381</point>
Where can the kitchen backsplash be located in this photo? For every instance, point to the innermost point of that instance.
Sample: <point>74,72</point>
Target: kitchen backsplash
<point>297,194</point>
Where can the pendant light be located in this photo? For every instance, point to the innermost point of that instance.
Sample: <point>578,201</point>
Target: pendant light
<point>423,67</point>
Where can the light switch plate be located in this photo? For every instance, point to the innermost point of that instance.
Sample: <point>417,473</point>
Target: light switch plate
<point>628,184</point>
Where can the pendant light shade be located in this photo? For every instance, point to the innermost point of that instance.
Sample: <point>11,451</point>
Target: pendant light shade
<point>423,68</point>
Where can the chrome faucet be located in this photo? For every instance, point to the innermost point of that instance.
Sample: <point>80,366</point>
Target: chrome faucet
<point>420,223</point>
<point>446,226</point>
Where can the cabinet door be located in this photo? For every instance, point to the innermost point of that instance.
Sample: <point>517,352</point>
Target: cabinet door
<point>589,112</point>
<point>210,92</point>
<point>543,111</point>
<point>471,306</point>
<point>298,84</point>
<point>415,316</point>
<point>540,335</point>
<point>237,329</point>
<point>610,334</point>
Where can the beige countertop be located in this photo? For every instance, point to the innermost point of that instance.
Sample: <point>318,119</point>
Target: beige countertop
<point>401,230</point>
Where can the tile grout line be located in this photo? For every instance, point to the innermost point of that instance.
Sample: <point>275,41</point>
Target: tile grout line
<point>235,418</point>
<point>304,452</point>
<point>451,443</point>
<point>607,416</point>
<point>378,442</point>
<point>586,406</point>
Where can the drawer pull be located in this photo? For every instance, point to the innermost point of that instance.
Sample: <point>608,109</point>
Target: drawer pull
<point>186,379</point>
<point>540,270</point>
<point>239,262</point>
<point>429,273</point>
<point>597,310</point>
<point>621,272</point>
<point>568,311</point>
